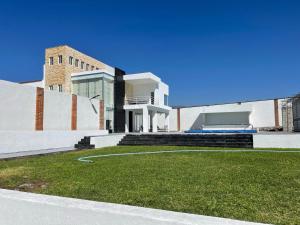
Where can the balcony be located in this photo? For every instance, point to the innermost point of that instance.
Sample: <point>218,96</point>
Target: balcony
<point>139,100</point>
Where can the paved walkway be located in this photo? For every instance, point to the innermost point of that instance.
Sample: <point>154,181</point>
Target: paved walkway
<point>36,209</point>
<point>35,152</point>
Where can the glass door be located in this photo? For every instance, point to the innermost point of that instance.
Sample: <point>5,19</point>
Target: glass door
<point>138,122</point>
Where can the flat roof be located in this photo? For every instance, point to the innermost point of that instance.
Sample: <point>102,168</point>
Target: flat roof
<point>227,103</point>
<point>95,74</point>
<point>30,81</point>
<point>91,72</point>
<point>141,78</point>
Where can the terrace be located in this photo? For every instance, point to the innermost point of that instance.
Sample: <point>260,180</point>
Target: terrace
<point>146,103</point>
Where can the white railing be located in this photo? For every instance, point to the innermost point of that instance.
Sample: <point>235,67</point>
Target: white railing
<point>139,100</point>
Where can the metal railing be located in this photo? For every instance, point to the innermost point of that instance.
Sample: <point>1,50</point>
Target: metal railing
<point>139,100</point>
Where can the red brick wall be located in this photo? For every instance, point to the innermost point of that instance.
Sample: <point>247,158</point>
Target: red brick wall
<point>39,109</point>
<point>101,115</point>
<point>178,119</point>
<point>276,112</point>
<point>74,113</point>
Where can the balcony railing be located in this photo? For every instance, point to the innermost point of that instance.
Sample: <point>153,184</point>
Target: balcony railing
<point>139,100</point>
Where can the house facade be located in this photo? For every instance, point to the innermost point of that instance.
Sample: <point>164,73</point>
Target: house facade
<point>62,61</point>
<point>146,103</point>
<point>132,102</point>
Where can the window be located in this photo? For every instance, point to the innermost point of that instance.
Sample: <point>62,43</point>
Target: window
<point>82,65</point>
<point>97,68</point>
<point>87,66</point>
<point>88,88</point>
<point>51,61</point>
<point>70,60</point>
<point>166,100</point>
<point>152,98</point>
<point>51,87</point>
<point>60,89</point>
<point>92,68</point>
<point>60,59</point>
<point>76,62</point>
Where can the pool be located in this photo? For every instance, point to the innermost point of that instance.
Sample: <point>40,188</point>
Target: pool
<point>220,131</point>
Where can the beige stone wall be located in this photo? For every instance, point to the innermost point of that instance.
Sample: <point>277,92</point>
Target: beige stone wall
<point>61,73</point>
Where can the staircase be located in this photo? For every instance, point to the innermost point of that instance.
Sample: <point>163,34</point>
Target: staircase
<point>203,140</point>
<point>84,143</point>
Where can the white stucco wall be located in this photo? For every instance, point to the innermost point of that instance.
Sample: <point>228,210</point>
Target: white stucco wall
<point>276,140</point>
<point>57,110</point>
<point>87,114</point>
<point>17,106</point>
<point>142,84</point>
<point>106,140</point>
<point>20,141</point>
<point>143,89</point>
<point>161,120</point>
<point>262,114</point>
<point>35,84</point>
<point>163,89</point>
<point>160,89</point>
<point>173,120</point>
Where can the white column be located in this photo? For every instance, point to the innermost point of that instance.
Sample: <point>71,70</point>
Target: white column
<point>126,121</point>
<point>167,121</point>
<point>145,120</point>
<point>156,96</point>
<point>154,121</point>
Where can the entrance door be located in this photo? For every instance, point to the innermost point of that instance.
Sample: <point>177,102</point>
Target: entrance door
<point>109,126</point>
<point>138,122</point>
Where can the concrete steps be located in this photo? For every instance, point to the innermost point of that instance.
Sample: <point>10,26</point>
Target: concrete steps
<point>203,140</point>
<point>84,143</point>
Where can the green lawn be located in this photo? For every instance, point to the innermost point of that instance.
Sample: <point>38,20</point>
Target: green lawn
<point>261,187</point>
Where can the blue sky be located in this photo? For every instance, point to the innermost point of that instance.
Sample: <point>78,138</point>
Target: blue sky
<point>207,51</point>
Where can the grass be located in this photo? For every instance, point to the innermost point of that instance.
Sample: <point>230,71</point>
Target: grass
<point>259,187</point>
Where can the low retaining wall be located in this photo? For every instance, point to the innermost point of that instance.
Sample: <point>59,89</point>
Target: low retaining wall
<point>20,141</point>
<point>35,209</point>
<point>276,141</point>
<point>107,140</point>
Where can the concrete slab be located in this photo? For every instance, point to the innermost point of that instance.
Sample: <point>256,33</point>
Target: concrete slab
<point>35,152</point>
<point>36,209</point>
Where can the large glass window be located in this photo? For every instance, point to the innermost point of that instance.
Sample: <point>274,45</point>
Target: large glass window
<point>88,88</point>
<point>103,87</point>
<point>166,100</point>
<point>108,92</point>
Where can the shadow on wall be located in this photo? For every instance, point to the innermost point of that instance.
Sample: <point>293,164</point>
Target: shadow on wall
<point>94,108</point>
<point>199,122</point>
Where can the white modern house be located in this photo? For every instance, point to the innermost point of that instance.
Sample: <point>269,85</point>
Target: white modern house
<point>80,96</point>
<point>146,103</point>
<point>132,102</point>
<point>145,98</point>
